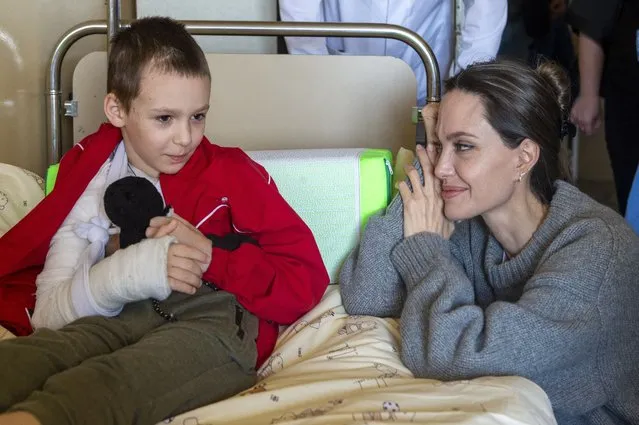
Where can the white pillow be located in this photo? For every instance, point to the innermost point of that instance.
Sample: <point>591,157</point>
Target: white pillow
<point>20,191</point>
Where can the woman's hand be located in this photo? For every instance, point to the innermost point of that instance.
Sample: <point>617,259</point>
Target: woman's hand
<point>423,205</point>
<point>430,114</point>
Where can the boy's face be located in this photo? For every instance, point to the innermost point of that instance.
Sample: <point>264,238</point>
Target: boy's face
<point>165,122</point>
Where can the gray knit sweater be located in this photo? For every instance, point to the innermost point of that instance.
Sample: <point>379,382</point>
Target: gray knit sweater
<point>563,313</point>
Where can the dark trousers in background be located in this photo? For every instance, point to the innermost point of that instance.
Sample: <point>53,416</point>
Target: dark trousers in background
<point>622,140</point>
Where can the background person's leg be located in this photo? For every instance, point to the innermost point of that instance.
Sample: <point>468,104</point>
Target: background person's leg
<point>621,112</point>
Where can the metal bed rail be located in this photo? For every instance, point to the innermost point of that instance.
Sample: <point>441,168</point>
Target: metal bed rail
<point>228,28</point>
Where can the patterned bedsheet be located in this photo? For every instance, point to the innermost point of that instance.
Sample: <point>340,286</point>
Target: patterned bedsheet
<point>332,368</point>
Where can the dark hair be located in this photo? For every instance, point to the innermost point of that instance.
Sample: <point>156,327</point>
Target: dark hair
<point>156,43</point>
<point>521,102</point>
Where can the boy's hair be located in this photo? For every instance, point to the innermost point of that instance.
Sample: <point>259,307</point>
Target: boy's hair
<point>154,43</point>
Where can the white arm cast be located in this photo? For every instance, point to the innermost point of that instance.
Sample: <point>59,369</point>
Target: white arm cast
<point>77,281</point>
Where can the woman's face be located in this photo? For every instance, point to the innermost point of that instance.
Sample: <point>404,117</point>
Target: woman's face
<point>478,172</point>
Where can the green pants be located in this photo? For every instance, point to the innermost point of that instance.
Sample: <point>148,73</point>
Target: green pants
<point>136,368</point>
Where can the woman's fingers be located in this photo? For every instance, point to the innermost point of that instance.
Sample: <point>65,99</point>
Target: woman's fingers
<point>424,161</point>
<point>431,186</point>
<point>430,112</point>
<point>431,154</point>
<point>415,180</point>
<point>404,191</point>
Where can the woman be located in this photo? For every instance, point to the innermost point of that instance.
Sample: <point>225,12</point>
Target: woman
<point>495,264</point>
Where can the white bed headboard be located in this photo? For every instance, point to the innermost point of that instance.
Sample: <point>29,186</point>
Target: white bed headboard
<point>284,101</point>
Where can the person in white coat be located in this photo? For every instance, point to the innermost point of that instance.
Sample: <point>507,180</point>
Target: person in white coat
<point>433,20</point>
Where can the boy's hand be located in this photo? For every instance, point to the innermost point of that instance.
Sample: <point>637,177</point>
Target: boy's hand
<point>184,232</point>
<point>184,268</point>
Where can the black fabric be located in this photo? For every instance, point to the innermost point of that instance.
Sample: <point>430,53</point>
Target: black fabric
<point>536,14</point>
<point>557,46</point>
<point>614,24</point>
<point>231,242</point>
<point>621,67</point>
<point>595,18</point>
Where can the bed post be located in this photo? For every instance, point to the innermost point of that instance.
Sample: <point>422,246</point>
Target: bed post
<point>53,93</point>
<point>113,22</point>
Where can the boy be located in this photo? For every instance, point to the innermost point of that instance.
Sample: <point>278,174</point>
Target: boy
<point>134,336</point>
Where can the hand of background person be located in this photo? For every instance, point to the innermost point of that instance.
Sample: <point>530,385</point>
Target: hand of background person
<point>586,113</point>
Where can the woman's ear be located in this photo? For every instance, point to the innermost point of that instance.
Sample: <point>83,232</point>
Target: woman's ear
<point>114,111</point>
<point>528,156</point>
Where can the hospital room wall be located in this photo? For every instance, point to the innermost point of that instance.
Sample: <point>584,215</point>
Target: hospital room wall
<point>29,31</point>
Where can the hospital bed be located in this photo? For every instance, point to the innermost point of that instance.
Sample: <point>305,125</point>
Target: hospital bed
<point>328,129</point>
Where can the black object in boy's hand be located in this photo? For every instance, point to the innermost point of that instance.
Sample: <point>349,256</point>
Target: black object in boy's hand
<point>131,203</point>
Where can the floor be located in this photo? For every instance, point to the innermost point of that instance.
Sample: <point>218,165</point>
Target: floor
<point>595,174</point>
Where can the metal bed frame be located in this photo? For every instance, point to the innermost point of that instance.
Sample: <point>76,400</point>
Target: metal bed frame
<point>114,23</point>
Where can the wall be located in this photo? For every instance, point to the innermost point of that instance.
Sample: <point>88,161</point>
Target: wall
<point>29,30</point>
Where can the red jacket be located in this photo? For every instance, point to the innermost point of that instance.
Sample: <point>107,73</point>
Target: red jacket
<point>220,190</point>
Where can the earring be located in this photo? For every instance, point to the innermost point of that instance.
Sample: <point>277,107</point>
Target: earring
<point>521,176</point>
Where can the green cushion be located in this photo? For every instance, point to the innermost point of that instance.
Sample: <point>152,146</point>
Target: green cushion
<point>52,175</point>
<point>375,183</point>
